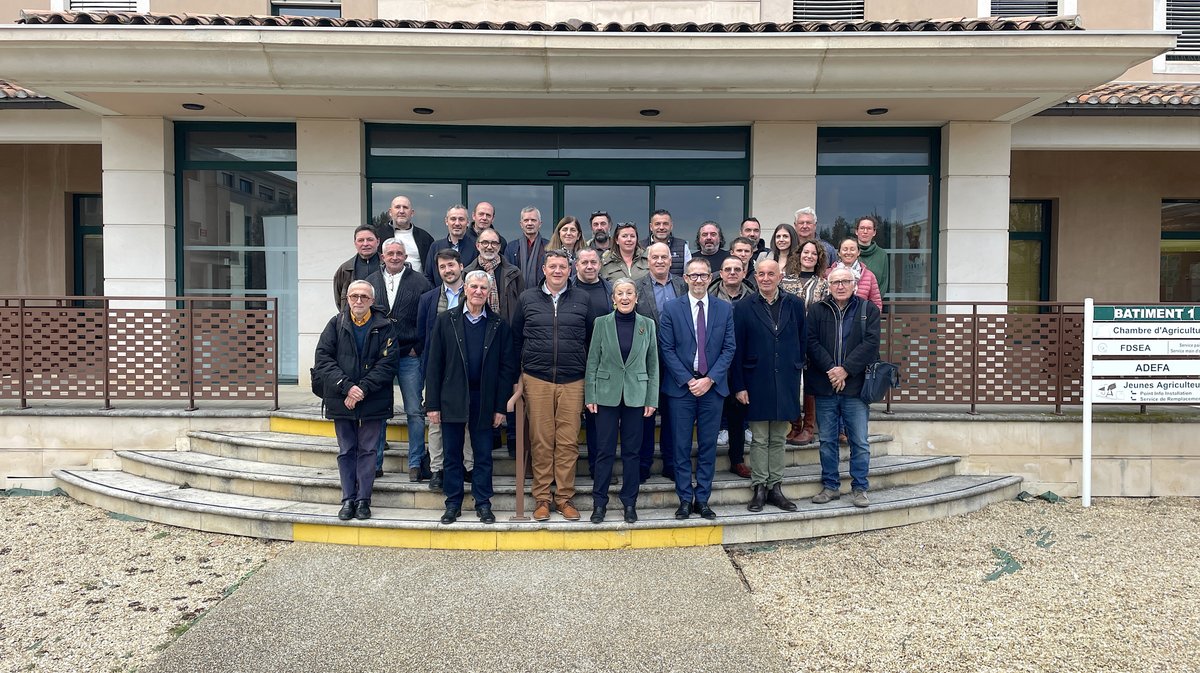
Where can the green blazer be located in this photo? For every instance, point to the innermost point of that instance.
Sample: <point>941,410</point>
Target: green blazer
<point>608,379</point>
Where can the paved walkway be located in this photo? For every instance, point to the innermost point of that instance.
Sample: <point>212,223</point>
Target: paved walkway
<point>324,608</point>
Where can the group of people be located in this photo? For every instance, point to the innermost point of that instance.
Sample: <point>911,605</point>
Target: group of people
<point>621,333</point>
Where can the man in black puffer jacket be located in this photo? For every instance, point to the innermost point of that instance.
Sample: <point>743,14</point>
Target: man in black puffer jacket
<point>356,362</point>
<point>552,327</point>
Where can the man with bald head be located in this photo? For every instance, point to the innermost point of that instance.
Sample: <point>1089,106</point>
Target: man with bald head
<point>401,227</point>
<point>771,340</point>
<point>483,217</point>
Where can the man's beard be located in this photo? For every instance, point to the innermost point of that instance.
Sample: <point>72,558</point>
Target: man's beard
<point>600,237</point>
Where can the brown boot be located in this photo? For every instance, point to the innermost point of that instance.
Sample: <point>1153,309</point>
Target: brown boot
<point>793,436</point>
<point>808,431</point>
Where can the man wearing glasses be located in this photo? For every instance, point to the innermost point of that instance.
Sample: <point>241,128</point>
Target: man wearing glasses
<point>697,347</point>
<point>843,338</point>
<point>601,240</point>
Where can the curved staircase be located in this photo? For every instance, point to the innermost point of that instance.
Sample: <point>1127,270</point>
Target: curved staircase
<point>283,484</point>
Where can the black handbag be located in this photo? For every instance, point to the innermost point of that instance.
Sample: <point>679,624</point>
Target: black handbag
<point>880,377</point>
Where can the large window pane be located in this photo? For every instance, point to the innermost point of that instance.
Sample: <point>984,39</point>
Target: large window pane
<point>690,205</point>
<point>1179,268</point>
<point>479,143</point>
<point>902,205</point>
<point>623,203</point>
<point>1024,270</point>
<point>239,145</point>
<point>851,150</point>
<point>508,200</point>
<point>430,203</point>
<point>238,243</point>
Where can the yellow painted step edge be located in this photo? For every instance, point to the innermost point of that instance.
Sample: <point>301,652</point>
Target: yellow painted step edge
<point>505,540</point>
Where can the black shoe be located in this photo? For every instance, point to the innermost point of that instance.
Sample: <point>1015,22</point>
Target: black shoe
<point>347,511</point>
<point>684,511</point>
<point>669,475</point>
<point>630,514</point>
<point>776,498</point>
<point>378,473</point>
<point>435,482</point>
<point>598,514</point>
<point>451,515</point>
<point>705,511</point>
<point>484,512</point>
<point>758,499</point>
<point>362,510</point>
<point>414,474</point>
<point>467,476</point>
<point>643,476</point>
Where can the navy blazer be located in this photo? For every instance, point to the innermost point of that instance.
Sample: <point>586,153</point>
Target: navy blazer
<point>677,344</point>
<point>426,318</point>
<point>769,362</point>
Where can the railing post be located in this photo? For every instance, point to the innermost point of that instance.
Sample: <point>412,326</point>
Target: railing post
<point>974,355</point>
<point>190,358</point>
<point>887,409</point>
<point>1062,339</point>
<point>21,352</point>
<point>104,337</point>
<point>275,350</point>
<point>521,452</point>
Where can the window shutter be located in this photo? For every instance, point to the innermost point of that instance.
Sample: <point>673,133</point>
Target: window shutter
<point>103,5</point>
<point>1184,15</point>
<point>827,10</point>
<point>1024,7</point>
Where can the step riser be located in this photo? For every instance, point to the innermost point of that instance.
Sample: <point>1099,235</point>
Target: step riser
<point>657,494</point>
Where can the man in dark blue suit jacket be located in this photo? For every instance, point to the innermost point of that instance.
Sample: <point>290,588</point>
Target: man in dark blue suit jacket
<point>694,377</point>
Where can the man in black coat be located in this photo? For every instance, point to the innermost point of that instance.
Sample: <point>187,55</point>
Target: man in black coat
<point>471,376</point>
<point>416,240</point>
<point>356,362</point>
<point>458,238</point>
<point>843,339</point>
<point>769,329</point>
<point>398,291</point>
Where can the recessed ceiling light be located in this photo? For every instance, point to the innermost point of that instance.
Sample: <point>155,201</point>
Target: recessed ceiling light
<point>876,111</point>
<point>649,112</point>
<point>193,106</point>
<point>423,110</point>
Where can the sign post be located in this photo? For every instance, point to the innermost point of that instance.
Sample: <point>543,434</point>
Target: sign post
<point>1155,346</point>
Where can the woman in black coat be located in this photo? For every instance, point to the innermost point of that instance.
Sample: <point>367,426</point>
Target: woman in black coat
<point>356,360</point>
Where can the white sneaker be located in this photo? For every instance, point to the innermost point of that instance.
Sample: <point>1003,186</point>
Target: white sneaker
<point>723,438</point>
<point>749,436</point>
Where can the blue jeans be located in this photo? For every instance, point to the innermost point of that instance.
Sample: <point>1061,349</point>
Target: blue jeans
<point>408,375</point>
<point>833,412</point>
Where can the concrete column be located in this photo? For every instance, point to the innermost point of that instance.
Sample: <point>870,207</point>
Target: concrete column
<point>330,204</point>
<point>783,171</point>
<point>973,241</point>
<point>138,163</point>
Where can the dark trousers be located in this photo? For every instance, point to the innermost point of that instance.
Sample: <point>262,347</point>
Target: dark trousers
<point>357,443</point>
<point>589,424</point>
<point>611,421</point>
<point>704,414</point>
<point>736,413</point>
<point>453,440</point>
<point>665,442</point>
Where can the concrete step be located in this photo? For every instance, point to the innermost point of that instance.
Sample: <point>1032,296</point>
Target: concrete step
<point>284,519</point>
<point>321,484</point>
<point>320,451</point>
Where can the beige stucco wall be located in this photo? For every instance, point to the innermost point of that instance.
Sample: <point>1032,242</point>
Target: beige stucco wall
<point>910,10</point>
<point>1107,216</point>
<point>11,9</point>
<point>599,11</point>
<point>1128,458</point>
<point>35,217</point>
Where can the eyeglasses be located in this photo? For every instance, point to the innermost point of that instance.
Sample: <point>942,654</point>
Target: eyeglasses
<point>490,243</point>
<point>696,276</point>
<point>841,282</point>
<point>360,297</point>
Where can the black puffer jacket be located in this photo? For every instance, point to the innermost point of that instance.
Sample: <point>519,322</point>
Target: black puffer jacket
<point>341,367</point>
<point>536,324</point>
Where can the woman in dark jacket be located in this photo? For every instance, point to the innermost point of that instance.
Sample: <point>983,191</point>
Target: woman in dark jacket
<point>356,361</point>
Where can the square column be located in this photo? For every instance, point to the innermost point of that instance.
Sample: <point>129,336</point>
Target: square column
<point>783,171</point>
<point>138,164</point>
<point>330,204</point>
<point>973,241</point>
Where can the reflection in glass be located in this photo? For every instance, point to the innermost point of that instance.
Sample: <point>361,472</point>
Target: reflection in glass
<point>623,203</point>
<point>873,151</point>
<point>508,200</point>
<point>1179,271</point>
<point>93,265</point>
<point>248,145</point>
<point>690,205</point>
<point>1024,271</point>
<point>902,204</point>
<point>480,143</point>
<point>430,203</point>
<point>239,244</point>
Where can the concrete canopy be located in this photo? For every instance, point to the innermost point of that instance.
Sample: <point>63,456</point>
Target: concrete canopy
<point>497,77</point>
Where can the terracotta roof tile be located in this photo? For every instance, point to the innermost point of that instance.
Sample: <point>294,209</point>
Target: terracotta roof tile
<point>9,91</point>
<point>1126,94</point>
<point>986,24</point>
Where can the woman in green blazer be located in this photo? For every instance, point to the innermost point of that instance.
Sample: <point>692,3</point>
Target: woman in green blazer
<point>621,389</point>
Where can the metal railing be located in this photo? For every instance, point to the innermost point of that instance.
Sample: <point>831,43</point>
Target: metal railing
<point>139,348</point>
<point>1027,353</point>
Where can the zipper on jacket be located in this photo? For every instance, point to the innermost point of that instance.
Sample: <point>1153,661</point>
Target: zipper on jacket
<point>554,339</point>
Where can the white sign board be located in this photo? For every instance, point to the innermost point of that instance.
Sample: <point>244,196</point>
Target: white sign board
<point>1143,391</point>
<point>1146,368</point>
<point>1146,347</point>
<point>1145,330</point>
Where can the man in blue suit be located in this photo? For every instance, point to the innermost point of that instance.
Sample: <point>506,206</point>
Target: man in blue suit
<point>696,339</point>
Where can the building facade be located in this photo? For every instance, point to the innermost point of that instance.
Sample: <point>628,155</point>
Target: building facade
<point>154,152</point>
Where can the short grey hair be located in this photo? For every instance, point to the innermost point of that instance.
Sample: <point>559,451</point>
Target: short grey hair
<point>807,210</point>
<point>361,283</point>
<point>531,209</point>
<point>394,241</point>
<point>624,281</point>
<point>478,273</point>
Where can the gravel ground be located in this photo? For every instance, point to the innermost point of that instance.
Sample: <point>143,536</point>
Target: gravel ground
<point>1112,588</point>
<point>81,591</point>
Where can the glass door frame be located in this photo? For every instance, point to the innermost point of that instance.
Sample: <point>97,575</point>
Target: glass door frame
<point>1043,238</point>
<point>79,233</point>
